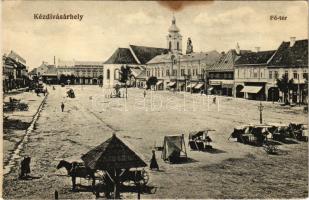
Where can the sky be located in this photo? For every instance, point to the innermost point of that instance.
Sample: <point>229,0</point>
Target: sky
<point>216,25</point>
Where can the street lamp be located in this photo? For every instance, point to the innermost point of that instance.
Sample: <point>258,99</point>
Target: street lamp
<point>260,107</point>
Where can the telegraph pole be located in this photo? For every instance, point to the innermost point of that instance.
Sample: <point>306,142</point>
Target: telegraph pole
<point>298,90</point>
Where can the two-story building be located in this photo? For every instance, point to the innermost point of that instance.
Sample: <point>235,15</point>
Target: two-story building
<point>290,59</point>
<point>251,75</point>
<point>15,71</point>
<point>80,72</point>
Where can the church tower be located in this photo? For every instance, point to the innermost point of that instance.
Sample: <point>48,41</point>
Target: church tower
<point>174,39</point>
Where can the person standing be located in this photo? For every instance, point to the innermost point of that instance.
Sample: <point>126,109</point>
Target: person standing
<point>62,106</point>
<point>25,167</point>
<point>153,161</point>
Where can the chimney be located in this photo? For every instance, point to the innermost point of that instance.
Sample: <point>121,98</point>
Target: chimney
<point>237,48</point>
<point>257,49</point>
<point>292,41</point>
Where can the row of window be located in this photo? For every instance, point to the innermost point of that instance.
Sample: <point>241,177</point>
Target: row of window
<point>160,72</point>
<point>221,75</point>
<point>296,75</point>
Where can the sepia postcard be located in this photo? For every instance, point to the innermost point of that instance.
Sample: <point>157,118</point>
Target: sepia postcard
<point>154,99</point>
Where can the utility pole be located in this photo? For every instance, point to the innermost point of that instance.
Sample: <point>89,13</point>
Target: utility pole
<point>260,107</point>
<point>298,90</point>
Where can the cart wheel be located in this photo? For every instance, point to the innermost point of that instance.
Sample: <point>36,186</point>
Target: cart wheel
<point>143,179</point>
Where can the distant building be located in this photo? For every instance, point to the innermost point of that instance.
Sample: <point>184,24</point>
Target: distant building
<point>47,72</point>
<point>80,72</point>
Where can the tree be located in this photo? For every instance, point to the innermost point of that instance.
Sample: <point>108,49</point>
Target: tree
<point>124,77</point>
<point>285,85</point>
<point>151,81</point>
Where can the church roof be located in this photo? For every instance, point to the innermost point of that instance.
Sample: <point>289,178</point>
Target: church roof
<point>144,54</point>
<point>121,56</point>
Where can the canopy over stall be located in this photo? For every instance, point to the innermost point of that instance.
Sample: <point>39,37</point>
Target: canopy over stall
<point>174,147</point>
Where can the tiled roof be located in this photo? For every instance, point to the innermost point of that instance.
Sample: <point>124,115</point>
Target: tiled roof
<point>294,56</point>
<point>210,57</point>
<point>254,58</point>
<point>121,56</point>
<point>225,62</point>
<point>144,54</point>
<point>112,154</point>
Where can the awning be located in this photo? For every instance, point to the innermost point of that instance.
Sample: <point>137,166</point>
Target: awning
<point>198,86</point>
<point>159,82</point>
<point>191,85</point>
<point>171,84</point>
<point>251,89</point>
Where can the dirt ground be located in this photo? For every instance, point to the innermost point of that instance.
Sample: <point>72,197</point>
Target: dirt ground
<point>233,170</point>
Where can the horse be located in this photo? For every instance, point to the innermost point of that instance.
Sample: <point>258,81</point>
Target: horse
<point>76,169</point>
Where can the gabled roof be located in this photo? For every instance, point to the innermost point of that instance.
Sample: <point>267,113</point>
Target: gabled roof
<point>16,57</point>
<point>255,58</point>
<point>121,56</point>
<point>225,62</point>
<point>144,54</point>
<point>112,154</point>
<point>10,61</point>
<point>294,56</point>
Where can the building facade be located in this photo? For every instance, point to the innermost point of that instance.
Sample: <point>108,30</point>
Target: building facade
<point>251,75</point>
<point>80,72</point>
<point>14,72</point>
<point>291,60</point>
<point>257,73</point>
<point>221,75</point>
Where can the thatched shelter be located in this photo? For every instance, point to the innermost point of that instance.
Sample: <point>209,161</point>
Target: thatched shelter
<point>112,154</point>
